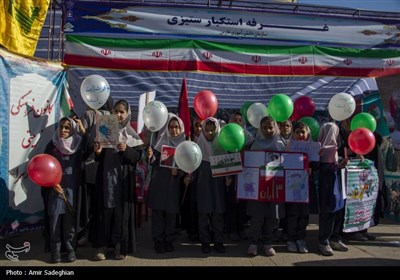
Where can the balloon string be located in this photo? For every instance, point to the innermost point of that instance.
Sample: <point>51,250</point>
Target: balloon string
<point>68,204</point>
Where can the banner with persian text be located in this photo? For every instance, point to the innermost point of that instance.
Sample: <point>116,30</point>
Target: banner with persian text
<point>30,92</point>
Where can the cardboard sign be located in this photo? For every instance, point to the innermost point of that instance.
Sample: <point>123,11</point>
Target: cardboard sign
<point>227,164</point>
<point>107,130</point>
<point>167,157</point>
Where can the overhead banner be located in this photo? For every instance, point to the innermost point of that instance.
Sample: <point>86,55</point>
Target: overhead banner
<point>147,38</point>
<point>20,24</point>
<point>30,92</point>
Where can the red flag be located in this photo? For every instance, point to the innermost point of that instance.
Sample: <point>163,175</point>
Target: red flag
<point>183,109</point>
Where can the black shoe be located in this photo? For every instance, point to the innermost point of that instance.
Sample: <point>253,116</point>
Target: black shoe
<point>159,247</point>
<point>55,257</point>
<point>205,248</point>
<point>219,248</point>
<point>71,257</point>
<point>169,247</point>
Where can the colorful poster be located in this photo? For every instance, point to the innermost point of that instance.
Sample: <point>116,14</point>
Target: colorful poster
<point>362,192</point>
<point>296,186</point>
<point>248,184</point>
<point>30,91</point>
<point>393,187</point>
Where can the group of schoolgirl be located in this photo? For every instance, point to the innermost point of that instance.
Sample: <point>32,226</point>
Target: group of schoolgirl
<point>101,204</point>
<point>111,191</point>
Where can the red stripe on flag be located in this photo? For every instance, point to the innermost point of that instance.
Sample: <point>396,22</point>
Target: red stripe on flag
<point>183,109</point>
<point>226,68</point>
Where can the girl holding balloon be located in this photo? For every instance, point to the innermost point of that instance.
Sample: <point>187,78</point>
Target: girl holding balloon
<point>61,203</point>
<point>112,198</point>
<point>164,188</point>
<point>210,190</point>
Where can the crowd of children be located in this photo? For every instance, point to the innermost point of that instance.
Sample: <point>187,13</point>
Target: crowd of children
<point>207,207</point>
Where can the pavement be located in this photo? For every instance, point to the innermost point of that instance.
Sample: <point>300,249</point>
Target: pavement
<point>384,251</point>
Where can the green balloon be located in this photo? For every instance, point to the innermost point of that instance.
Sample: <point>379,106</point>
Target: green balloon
<point>231,138</point>
<point>280,107</point>
<point>363,120</point>
<point>244,108</point>
<point>313,125</point>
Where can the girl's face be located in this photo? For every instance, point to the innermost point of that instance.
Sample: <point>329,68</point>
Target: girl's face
<point>301,134</point>
<point>285,128</point>
<point>209,131</point>
<point>65,129</point>
<point>267,129</point>
<point>121,112</point>
<point>173,128</point>
<point>238,119</point>
<point>197,127</point>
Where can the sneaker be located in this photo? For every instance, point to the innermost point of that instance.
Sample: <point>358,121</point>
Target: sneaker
<point>234,236</point>
<point>369,237</point>
<point>219,248</point>
<point>301,244</point>
<point>357,237</point>
<point>269,251</point>
<point>325,250</point>
<point>55,257</point>
<point>291,246</point>
<point>71,257</point>
<point>338,246</point>
<point>117,252</point>
<point>205,248</point>
<point>100,254</point>
<point>252,251</point>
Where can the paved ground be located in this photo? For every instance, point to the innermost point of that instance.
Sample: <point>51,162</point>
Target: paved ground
<point>385,251</point>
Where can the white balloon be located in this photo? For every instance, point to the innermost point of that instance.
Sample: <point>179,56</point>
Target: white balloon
<point>155,115</point>
<point>95,91</point>
<point>188,156</point>
<point>341,106</point>
<point>255,113</point>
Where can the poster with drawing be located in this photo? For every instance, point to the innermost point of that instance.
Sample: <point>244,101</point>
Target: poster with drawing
<point>296,186</point>
<point>107,130</point>
<point>272,176</point>
<point>248,180</point>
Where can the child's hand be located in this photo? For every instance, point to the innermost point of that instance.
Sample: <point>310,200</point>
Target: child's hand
<point>121,147</point>
<point>149,152</point>
<point>343,163</point>
<point>186,180</point>
<point>228,180</point>
<point>174,171</point>
<point>97,148</point>
<point>58,188</point>
<point>81,128</point>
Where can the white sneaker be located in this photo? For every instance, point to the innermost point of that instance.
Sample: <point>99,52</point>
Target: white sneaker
<point>339,246</point>
<point>301,244</point>
<point>325,250</point>
<point>100,254</point>
<point>269,251</point>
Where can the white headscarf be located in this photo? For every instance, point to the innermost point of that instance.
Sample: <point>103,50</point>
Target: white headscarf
<point>209,148</point>
<point>126,133</point>
<point>328,138</point>
<point>273,143</point>
<point>67,146</point>
<point>166,138</point>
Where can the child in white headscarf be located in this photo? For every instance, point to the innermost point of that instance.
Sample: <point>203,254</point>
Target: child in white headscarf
<point>264,214</point>
<point>61,202</point>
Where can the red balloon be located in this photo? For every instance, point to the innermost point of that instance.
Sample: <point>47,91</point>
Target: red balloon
<point>205,104</point>
<point>45,170</point>
<point>361,141</point>
<point>304,106</point>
